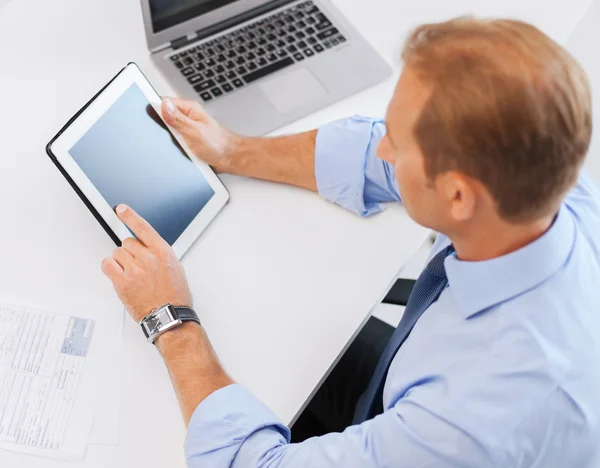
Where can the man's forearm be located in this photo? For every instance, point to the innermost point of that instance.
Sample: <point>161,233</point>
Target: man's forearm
<point>287,159</point>
<point>193,366</point>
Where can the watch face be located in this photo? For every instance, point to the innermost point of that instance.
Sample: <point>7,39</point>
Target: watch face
<point>153,323</point>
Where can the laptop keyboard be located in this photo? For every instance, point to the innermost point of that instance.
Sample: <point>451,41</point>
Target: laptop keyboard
<point>220,66</point>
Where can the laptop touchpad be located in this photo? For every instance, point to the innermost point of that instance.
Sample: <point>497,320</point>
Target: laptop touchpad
<point>293,89</point>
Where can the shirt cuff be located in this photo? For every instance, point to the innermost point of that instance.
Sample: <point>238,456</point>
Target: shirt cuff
<point>224,420</point>
<point>341,153</point>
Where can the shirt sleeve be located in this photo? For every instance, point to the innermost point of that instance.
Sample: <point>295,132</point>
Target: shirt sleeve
<point>347,168</point>
<point>231,428</point>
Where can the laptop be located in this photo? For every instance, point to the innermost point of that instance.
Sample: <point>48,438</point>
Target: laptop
<point>259,64</point>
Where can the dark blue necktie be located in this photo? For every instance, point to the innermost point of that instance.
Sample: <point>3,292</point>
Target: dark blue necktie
<point>426,291</point>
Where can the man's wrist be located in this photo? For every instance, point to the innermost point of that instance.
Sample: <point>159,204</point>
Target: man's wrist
<point>185,336</point>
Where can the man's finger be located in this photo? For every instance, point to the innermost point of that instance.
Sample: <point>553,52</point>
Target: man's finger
<point>138,225</point>
<point>111,268</point>
<point>123,258</point>
<point>134,246</point>
<point>189,108</point>
<point>177,118</point>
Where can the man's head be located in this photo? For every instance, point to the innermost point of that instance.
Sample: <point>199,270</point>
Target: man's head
<point>489,119</point>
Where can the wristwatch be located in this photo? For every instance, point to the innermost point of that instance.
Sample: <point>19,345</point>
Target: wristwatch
<point>165,318</point>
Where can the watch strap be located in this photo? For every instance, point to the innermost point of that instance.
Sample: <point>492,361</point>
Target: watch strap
<point>187,314</point>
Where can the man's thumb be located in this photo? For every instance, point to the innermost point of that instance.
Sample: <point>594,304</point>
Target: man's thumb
<point>174,117</point>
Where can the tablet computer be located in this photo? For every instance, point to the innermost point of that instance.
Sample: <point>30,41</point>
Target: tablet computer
<point>117,149</point>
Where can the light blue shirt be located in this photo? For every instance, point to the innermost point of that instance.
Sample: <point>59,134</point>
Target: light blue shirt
<point>502,371</point>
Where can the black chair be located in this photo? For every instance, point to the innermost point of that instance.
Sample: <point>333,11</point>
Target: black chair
<point>400,292</point>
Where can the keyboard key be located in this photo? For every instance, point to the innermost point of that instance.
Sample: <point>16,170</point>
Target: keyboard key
<point>241,50</point>
<point>260,51</point>
<point>262,62</point>
<point>334,42</point>
<point>289,19</point>
<point>206,96</point>
<point>195,79</point>
<point>174,57</point>
<point>241,71</point>
<point>220,79</point>
<point>199,66</point>
<point>291,29</point>
<point>238,83</point>
<point>270,48</point>
<point>179,65</point>
<point>210,62</point>
<point>199,56</point>
<point>227,88</point>
<point>327,45</point>
<point>220,69</point>
<point>272,68</point>
<point>229,65</point>
<point>324,25</point>
<point>280,43</point>
<point>271,37</point>
<point>302,44</point>
<point>319,48</point>
<point>183,54</point>
<point>300,35</point>
<point>291,49</point>
<point>250,56</point>
<point>272,58</point>
<point>281,33</point>
<point>310,31</point>
<point>300,24</point>
<point>282,53</point>
<point>262,41</point>
<point>290,39</point>
<point>216,92</point>
<point>325,34</point>
<point>252,66</point>
<point>311,40</point>
<point>231,75</point>
<point>187,71</point>
<point>210,52</point>
<point>231,54</point>
<point>220,48</point>
<point>309,52</point>
<point>341,39</point>
<point>205,85</point>
<point>311,20</point>
<point>298,56</point>
<point>188,60</point>
<point>240,60</point>
<point>209,73</point>
<point>221,58</point>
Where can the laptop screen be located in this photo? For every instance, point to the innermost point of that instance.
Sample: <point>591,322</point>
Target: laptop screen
<point>168,13</point>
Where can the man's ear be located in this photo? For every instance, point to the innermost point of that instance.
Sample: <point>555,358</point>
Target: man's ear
<point>461,194</point>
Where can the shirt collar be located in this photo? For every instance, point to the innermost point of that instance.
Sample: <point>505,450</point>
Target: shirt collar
<point>479,285</point>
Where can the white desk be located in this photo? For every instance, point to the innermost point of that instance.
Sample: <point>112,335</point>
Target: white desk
<point>282,280</point>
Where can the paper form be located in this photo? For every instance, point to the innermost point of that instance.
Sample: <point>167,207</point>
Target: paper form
<point>42,361</point>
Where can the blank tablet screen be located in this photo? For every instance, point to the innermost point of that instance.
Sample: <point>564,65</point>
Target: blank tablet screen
<point>131,157</point>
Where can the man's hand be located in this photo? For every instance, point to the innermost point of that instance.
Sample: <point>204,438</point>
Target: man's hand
<point>288,159</point>
<point>207,139</point>
<point>144,271</point>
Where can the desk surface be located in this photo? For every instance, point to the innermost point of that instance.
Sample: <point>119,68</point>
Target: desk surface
<point>282,279</point>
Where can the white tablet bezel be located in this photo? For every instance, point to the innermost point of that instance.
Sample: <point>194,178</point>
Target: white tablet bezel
<point>61,146</point>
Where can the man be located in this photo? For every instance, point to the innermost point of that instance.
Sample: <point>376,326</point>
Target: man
<point>486,134</point>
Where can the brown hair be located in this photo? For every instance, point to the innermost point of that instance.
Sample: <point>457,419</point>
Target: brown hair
<point>509,107</point>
